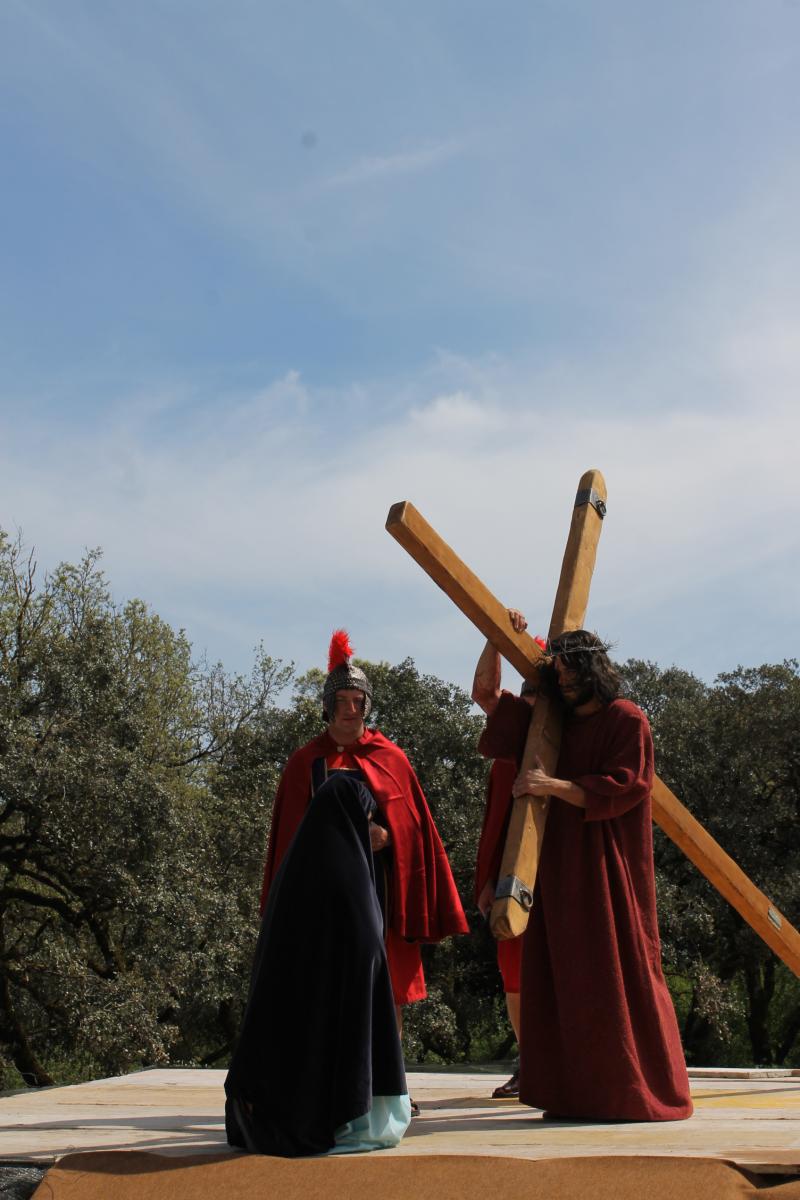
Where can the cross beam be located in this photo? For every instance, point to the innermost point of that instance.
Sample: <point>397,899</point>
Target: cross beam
<point>413,532</point>
<point>527,821</point>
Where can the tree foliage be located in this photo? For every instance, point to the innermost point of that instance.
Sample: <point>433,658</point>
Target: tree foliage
<point>135,794</point>
<point>128,842</point>
<point>731,752</point>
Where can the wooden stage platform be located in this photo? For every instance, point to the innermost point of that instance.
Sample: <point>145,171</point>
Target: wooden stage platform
<point>751,1118</point>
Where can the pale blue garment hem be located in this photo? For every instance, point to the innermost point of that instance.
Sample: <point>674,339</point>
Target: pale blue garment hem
<point>383,1126</point>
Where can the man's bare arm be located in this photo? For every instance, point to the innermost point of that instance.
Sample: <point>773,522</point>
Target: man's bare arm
<point>488,672</point>
<point>486,684</point>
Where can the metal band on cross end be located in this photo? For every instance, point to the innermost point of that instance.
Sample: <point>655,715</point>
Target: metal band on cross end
<point>590,496</point>
<point>772,913</point>
<point>516,889</point>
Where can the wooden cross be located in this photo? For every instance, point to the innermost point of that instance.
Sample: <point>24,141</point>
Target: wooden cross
<point>526,826</point>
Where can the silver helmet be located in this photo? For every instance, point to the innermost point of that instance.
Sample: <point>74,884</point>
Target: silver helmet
<point>343,674</point>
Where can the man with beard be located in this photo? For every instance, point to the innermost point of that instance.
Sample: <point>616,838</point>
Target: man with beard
<point>599,1036</point>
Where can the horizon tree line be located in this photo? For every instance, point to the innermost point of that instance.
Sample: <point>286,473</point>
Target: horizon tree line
<point>136,786</point>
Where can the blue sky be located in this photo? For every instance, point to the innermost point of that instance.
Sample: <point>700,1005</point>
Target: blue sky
<point>267,268</point>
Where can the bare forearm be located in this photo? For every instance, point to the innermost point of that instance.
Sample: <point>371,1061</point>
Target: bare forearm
<point>486,684</point>
<point>568,791</point>
<point>536,782</point>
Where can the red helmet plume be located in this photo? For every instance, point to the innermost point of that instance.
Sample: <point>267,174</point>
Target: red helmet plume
<point>340,651</point>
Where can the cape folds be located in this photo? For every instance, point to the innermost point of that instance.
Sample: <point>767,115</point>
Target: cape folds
<point>425,903</point>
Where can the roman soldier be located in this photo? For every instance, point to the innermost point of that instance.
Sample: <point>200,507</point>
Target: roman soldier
<point>415,885</point>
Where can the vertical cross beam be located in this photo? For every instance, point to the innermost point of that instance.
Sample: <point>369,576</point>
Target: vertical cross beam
<point>526,826</point>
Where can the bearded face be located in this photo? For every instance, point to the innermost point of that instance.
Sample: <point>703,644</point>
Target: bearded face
<point>574,691</point>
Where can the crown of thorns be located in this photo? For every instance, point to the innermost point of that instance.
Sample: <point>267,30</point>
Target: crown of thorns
<point>561,645</point>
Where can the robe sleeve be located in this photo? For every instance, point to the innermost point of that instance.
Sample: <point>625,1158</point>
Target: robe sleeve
<point>626,778</point>
<point>506,729</point>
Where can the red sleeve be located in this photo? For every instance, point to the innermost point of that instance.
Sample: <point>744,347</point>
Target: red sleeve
<point>495,823</point>
<point>627,776</point>
<point>506,729</point>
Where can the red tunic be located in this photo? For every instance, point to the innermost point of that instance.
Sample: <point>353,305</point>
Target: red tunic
<point>490,856</point>
<point>495,823</point>
<point>599,1034</point>
<point>424,904</point>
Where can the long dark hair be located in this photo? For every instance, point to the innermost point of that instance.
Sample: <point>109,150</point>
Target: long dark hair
<point>585,654</point>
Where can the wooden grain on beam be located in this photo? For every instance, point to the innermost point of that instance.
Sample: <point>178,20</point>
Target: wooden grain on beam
<point>577,567</point>
<point>528,817</point>
<point>723,873</point>
<point>463,587</point>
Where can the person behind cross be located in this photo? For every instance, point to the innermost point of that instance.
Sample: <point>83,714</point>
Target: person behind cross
<point>416,889</point>
<point>600,1039</point>
<point>486,693</point>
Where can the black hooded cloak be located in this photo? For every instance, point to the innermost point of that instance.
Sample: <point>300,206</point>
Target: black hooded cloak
<point>319,1037</point>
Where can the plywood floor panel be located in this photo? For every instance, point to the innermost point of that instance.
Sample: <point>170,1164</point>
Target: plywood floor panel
<point>749,1118</point>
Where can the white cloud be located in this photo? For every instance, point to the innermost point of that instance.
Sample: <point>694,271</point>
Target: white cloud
<point>376,168</point>
<point>264,494</point>
<point>258,498</point>
<point>457,414</point>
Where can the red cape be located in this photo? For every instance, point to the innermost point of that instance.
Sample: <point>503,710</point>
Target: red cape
<point>425,903</point>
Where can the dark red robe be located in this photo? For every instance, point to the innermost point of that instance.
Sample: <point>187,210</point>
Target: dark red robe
<point>490,856</point>
<point>495,823</point>
<point>599,1035</point>
<point>425,906</point>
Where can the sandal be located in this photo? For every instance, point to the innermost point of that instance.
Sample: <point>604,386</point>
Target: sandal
<point>508,1090</point>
